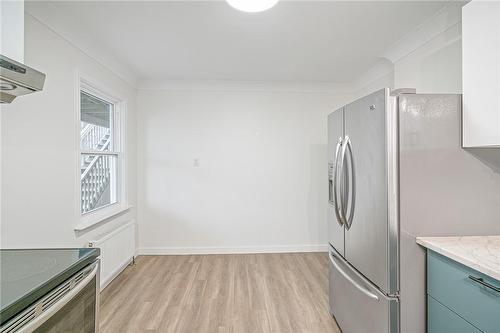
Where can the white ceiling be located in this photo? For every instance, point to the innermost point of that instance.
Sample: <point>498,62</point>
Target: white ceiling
<point>327,41</point>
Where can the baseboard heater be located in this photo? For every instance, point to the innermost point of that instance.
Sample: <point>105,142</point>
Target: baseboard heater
<point>117,251</point>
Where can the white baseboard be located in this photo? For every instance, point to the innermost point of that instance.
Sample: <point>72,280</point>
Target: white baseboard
<point>231,250</point>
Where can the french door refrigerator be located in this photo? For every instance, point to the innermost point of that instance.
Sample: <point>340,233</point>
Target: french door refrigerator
<point>394,160</point>
<point>363,227</point>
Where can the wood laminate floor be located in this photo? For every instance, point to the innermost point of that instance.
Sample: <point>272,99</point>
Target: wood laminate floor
<point>286,293</point>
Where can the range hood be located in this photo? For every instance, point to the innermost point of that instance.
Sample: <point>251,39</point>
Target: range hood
<point>17,79</point>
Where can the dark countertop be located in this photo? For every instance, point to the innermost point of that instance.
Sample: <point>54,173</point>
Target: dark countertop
<point>27,275</point>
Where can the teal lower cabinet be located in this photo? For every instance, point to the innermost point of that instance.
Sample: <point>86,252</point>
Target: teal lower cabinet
<point>440,319</point>
<point>460,299</point>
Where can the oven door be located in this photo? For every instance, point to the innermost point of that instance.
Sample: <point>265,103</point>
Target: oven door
<point>71,307</point>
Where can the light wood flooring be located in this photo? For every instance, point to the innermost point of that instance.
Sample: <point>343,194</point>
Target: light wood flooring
<point>286,293</point>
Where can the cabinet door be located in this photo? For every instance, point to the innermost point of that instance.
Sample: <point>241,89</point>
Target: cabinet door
<point>443,320</point>
<point>453,284</point>
<point>481,73</point>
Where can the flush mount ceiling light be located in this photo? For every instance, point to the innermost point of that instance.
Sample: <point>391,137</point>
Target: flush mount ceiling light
<point>252,6</point>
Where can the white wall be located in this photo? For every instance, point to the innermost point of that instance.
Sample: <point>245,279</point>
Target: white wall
<point>262,192</point>
<point>39,187</point>
<point>435,67</point>
<point>261,183</point>
<point>428,59</point>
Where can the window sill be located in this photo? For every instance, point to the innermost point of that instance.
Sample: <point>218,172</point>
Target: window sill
<point>101,217</point>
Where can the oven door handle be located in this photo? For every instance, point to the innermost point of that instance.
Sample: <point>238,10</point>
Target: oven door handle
<point>44,316</point>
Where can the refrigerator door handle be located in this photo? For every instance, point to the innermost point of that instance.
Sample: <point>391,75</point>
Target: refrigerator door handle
<point>350,279</point>
<point>352,188</point>
<point>338,203</point>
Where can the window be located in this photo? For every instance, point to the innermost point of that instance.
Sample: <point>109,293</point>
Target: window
<point>100,164</point>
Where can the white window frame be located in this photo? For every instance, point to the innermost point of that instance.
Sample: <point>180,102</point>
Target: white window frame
<point>105,213</point>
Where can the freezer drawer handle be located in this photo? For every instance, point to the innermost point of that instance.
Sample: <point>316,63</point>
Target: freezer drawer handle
<point>351,280</point>
<point>484,283</point>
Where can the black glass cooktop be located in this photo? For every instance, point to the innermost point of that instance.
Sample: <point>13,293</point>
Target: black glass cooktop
<point>27,275</point>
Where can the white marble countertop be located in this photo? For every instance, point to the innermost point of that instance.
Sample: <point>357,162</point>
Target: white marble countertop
<point>481,253</point>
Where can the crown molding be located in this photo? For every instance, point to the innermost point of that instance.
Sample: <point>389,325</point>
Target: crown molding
<point>441,21</point>
<point>64,25</point>
<point>216,85</point>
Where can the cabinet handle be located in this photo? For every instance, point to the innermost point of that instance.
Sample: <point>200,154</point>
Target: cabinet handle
<point>484,283</point>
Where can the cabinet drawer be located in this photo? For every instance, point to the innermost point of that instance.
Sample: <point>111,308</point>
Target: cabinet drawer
<point>449,283</point>
<point>442,320</point>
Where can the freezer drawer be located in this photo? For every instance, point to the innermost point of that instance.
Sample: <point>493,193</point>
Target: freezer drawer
<point>357,305</point>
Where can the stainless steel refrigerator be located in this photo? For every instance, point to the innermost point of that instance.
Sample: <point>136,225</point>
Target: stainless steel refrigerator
<point>397,171</point>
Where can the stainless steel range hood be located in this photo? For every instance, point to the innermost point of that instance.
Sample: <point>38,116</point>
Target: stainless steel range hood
<point>17,79</point>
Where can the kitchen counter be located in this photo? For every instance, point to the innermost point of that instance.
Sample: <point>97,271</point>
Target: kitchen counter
<point>481,253</point>
<point>27,275</point>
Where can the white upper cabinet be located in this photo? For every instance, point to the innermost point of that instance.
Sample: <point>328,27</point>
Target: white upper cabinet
<point>12,30</point>
<point>481,74</point>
